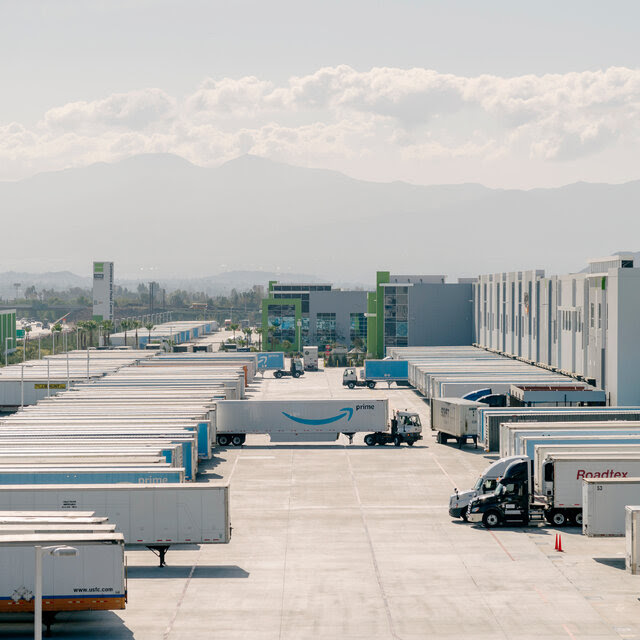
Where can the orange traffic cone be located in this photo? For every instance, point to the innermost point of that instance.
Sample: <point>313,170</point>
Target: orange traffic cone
<point>559,542</point>
<point>556,547</point>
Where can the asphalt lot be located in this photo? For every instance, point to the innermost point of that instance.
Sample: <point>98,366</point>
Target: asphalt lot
<point>338,541</point>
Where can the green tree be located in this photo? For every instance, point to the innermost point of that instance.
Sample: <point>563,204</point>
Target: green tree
<point>136,325</point>
<point>125,325</point>
<point>57,328</point>
<point>234,328</point>
<point>92,326</point>
<point>106,326</point>
<point>149,326</point>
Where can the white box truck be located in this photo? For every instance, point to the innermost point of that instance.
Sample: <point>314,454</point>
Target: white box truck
<point>92,579</point>
<point>153,516</point>
<point>603,504</point>
<point>314,421</point>
<point>455,418</point>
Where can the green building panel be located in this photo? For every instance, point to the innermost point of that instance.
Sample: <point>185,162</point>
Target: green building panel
<point>8,335</point>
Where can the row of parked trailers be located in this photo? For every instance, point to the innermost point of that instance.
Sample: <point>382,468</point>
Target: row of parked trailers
<point>127,444</point>
<point>445,372</point>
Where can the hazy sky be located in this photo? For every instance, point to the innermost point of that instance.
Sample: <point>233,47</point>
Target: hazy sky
<point>506,93</point>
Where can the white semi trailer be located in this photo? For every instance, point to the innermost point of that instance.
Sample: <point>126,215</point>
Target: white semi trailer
<point>603,504</point>
<point>153,516</point>
<point>314,421</point>
<point>92,579</point>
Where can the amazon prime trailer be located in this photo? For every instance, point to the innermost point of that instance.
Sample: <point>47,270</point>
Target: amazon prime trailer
<point>298,420</point>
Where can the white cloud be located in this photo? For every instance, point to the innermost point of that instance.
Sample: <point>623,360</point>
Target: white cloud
<point>337,115</point>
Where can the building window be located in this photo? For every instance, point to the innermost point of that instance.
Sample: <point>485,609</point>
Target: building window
<point>282,317</point>
<point>358,329</point>
<point>326,328</point>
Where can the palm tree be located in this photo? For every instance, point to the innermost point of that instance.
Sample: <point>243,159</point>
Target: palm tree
<point>136,325</point>
<point>107,328</point>
<point>258,332</point>
<point>149,326</point>
<point>247,332</point>
<point>91,325</point>
<point>234,328</point>
<point>125,325</point>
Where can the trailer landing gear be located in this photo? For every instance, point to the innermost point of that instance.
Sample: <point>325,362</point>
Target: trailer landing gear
<point>161,551</point>
<point>47,620</point>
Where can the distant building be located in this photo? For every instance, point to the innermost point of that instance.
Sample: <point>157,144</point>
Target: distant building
<point>403,311</point>
<point>583,324</point>
<point>418,310</point>
<point>313,314</point>
<point>8,336</point>
<point>103,291</point>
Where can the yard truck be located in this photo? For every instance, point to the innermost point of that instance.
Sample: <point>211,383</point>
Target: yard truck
<point>295,370</point>
<point>377,371</point>
<point>314,421</point>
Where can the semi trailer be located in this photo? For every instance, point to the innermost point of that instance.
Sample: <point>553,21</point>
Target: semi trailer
<point>92,578</point>
<point>455,418</point>
<point>148,515</point>
<point>314,421</point>
<point>377,371</point>
<point>604,501</point>
<point>310,358</point>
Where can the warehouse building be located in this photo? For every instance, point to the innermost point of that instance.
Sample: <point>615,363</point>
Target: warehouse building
<point>418,310</point>
<point>313,314</point>
<point>404,310</point>
<point>8,336</point>
<point>583,324</point>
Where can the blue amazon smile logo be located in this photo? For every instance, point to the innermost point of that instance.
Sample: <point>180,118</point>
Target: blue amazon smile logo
<point>346,411</point>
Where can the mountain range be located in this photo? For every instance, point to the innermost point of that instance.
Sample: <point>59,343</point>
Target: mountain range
<point>162,218</point>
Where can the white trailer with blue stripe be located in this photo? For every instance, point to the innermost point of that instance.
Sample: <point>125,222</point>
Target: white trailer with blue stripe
<point>313,421</point>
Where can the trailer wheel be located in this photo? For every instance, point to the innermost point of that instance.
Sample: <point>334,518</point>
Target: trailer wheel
<point>351,385</point>
<point>397,441</point>
<point>577,518</point>
<point>371,384</point>
<point>491,519</point>
<point>558,518</point>
<point>370,440</point>
<point>223,440</point>
<point>277,374</point>
<point>236,441</point>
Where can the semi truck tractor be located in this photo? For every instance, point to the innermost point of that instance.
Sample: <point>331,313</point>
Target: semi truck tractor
<point>313,421</point>
<point>555,496</point>
<point>295,370</point>
<point>486,483</point>
<point>377,371</point>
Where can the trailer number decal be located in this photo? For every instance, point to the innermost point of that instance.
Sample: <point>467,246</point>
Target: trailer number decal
<point>346,411</point>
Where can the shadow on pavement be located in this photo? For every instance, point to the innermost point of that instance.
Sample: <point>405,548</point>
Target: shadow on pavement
<point>184,571</point>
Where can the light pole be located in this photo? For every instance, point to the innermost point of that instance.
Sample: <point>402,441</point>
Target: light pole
<point>6,350</point>
<point>54,550</point>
